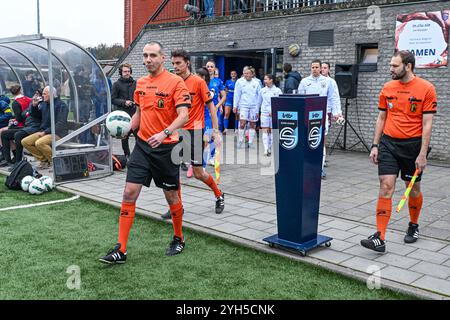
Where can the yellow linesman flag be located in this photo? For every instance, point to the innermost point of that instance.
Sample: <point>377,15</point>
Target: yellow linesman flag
<point>408,190</point>
<point>217,165</point>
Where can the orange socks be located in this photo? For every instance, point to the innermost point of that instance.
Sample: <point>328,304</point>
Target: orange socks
<point>179,190</point>
<point>176,211</point>
<point>384,209</point>
<point>127,213</point>
<point>212,184</point>
<point>415,205</point>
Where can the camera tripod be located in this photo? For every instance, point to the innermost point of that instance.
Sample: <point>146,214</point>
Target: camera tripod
<point>344,127</point>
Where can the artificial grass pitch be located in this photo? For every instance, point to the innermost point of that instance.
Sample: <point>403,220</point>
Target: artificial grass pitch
<point>12,198</point>
<point>42,246</point>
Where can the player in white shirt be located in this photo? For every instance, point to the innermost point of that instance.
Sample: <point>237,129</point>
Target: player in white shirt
<point>265,104</point>
<point>316,83</point>
<point>245,101</point>
<point>337,116</point>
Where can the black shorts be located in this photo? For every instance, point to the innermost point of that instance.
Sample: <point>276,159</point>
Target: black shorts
<point>147,163</point>
<point>396,155</point>
<point>193,146</point>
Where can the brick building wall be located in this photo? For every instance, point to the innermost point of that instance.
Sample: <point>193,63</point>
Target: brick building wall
<point>350,29</point>
<point>137,13</point>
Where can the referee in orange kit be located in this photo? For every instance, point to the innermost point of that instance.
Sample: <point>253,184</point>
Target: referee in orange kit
<point>401,143</point>
<point>163,101</point>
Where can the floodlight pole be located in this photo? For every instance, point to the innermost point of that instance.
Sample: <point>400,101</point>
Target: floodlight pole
<point>38,19</point>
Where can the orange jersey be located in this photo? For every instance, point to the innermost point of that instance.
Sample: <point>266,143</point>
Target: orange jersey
<point>158,99</point>
<point>200,96</point>
<point>405,103</point>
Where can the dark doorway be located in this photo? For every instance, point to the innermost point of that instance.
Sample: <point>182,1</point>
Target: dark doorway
<point>264,61</point>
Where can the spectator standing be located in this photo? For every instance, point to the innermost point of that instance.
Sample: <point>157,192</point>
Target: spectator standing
<point>122,98</point>
<point>292,78</point>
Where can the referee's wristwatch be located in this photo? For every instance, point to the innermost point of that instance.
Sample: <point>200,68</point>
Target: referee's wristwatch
<point>167,132</point>
<point>375,145</point>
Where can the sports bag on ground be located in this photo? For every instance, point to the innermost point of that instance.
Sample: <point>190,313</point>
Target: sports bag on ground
<point>20,170</point>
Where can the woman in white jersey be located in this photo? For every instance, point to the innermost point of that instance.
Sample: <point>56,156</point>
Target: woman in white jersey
<point>265,102</point>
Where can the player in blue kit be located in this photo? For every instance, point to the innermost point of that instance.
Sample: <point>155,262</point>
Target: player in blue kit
<point>229,88</point>
<point>219,96</point>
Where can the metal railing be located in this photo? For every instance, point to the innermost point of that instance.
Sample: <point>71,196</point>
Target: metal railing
<point>176,10</point>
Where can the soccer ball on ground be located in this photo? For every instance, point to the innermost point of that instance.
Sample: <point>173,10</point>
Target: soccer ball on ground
<point>118,124</point>
<point>36,187</point>
<point>25,183</point>
<point>47,182</point>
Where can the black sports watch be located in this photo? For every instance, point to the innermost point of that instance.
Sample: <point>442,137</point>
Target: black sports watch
<point>375,145</point>
<point>167,132</point>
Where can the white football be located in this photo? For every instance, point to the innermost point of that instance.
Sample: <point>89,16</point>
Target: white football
<point>47,182</point>
<point>118,124</point>
<point>36,187</point>
<point>25,183</point>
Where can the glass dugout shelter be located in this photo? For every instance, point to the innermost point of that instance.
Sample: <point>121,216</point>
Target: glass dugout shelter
<point>34,62</point>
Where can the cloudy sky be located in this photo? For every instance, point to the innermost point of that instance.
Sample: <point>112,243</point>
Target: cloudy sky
<point>87,22</point>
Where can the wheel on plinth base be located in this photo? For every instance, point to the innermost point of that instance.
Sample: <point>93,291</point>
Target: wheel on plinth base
<point>328,244</point>
<point>302,253</point>
<point>272,245</point>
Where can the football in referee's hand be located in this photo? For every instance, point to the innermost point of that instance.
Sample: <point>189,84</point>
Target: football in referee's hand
<point>118,124</point>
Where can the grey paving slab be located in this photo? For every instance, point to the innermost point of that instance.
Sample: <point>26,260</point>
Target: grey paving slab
<point>252,205</point>
<point>433,284</point>
<point>324,219</point>
<point>345,216</point>
<point>341,225</point>
<point>426,255</point>
<point>361,264</point>
<point>258,225</point>
<point>228,227</point>
<point>268,209</point>
<point>344,205</point>
<point>208,222</point>
<point>396,260</point>
<point>339,234</point>
<point>370,220</point>
<point>252,234</point>
<point>330,255</point>
<point>432,269</point>
<point>195,200</point>
<point>238,219</point>
<point>263,217</point>
<point>330,210</point>
<point>445,250</point>
<point>439,233</point>
<point>364,231</point>
<point>399,249</point>
<point>322,228</point>
<point>250,212</point>
<point>272,230</point>
<point>400,275</point>
<point>360,251</point>
<point>429,245</point>
<point>339,245</point>
<point>356,239</point>
<point>190,217</point>
<point>202,210</point>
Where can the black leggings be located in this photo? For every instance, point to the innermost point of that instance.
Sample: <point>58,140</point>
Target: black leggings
<point>13,134</point>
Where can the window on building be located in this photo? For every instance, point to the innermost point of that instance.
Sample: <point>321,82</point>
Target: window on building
<point>367,55</point>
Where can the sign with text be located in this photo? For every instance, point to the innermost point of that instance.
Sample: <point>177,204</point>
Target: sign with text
<point>426,35</point>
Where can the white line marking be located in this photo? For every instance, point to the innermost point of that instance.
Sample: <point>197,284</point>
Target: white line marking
<point>40,204</point>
